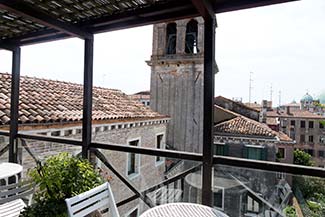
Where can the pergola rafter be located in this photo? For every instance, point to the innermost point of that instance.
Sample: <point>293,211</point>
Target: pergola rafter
<point>24,10</point>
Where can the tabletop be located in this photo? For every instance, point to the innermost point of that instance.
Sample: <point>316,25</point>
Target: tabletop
<point>9,169</point>
<point>183,210</point>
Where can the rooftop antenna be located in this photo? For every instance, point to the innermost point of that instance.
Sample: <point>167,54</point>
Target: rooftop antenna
<point>250,87</point>
<point>279,98</point>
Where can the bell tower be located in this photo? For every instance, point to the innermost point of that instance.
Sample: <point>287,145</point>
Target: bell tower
<point>176,87</point>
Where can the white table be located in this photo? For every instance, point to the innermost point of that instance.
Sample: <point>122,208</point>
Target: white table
<point>8,170</point>
<point>183,210</point>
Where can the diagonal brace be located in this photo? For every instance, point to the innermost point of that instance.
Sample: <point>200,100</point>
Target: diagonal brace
<point>143,197</point>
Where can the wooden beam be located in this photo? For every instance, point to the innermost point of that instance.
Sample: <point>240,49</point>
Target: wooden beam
<point>158,13</point>
<point>245,4</point>
<point>204,7</point>
<point>208,108</point>
<point>22,9</point>
<point>7,46</point>
<point>87,97</point>
<point>14,103</point>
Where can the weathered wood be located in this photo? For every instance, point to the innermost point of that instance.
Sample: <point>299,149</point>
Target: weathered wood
<point>87,96</point>
<point>14,103</point>
<point>208,108</point>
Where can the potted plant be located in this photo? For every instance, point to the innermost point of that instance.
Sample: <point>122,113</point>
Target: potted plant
<point>62,176</point>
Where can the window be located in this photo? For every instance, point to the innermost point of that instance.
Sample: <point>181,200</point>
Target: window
<point>252,205</point>
<point>255,153</point>
<point>293,123</point>
<point>309,151</point>
<point>292,134</point>
<point>221,149</point>
<point>218,197</point>
<point>281,153</point>
<point>322,139</point>
<point>311,139</point>
<point>132,160</point>
<point>302,124</point>
<point>55,133</point>
<point>171,38</point>
<point>191,37</point>
<point>320,153</point>
<point>159,145</point>
<point>311,124</point>
<point>133,213</point>
<point>321,125</point>
<point>302,138</point>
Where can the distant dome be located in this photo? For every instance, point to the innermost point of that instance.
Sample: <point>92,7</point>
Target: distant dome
<point>307,98</point>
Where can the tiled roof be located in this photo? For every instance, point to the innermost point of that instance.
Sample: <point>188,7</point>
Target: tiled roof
<point>49,101</point>
<point>235,102</point>
<point>283,137</point>
<point>293,114</point>
<point>245,126</point>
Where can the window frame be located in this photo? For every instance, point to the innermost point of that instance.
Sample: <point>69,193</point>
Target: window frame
<point>284,153</point>
<point>311,124</point>
<point>303,124</point>
<point>261,148</point>
<point>137,158</point>
<point>162,159</point>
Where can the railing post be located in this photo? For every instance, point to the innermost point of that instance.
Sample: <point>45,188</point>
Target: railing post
<point>87,96</point>
<point>14,105</point>
<point>208,104</point>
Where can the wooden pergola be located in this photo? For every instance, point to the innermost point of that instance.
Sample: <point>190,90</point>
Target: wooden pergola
<point>25,22</point>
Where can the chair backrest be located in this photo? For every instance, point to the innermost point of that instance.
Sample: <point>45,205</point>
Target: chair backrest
<point>92,200</point>
<point>16,191</point>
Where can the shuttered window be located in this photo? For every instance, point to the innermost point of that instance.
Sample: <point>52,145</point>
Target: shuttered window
<point>255,153</point>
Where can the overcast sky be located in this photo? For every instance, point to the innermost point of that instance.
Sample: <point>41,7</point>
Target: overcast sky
<point>283,45</point>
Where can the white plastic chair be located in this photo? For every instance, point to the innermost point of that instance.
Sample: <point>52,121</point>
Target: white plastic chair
<point>11,203</point>
<point>92,200</point>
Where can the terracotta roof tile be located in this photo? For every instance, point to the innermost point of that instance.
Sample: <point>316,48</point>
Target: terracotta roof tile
<point>43,100</point>
<point>242,125</point>
<point>245,126</point>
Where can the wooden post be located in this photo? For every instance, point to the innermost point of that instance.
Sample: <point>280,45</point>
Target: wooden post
<point>14,104</point>
<point>87,96</point>
<point>208,101</point>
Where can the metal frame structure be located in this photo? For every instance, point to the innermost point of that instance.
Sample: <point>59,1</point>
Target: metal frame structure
<point>49,28</point>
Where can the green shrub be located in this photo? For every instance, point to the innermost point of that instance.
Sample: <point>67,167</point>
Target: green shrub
<point>62,176</point>
<point>290,211</point>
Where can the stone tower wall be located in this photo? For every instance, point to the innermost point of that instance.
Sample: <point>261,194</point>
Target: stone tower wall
<point>177,86</point>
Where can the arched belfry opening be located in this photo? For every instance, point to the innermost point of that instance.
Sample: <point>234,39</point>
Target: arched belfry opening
<point>191,41</point>
<point>176,84</point>
<point>171,38</point>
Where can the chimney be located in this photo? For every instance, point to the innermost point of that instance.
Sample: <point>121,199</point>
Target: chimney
<point>288,110</point>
